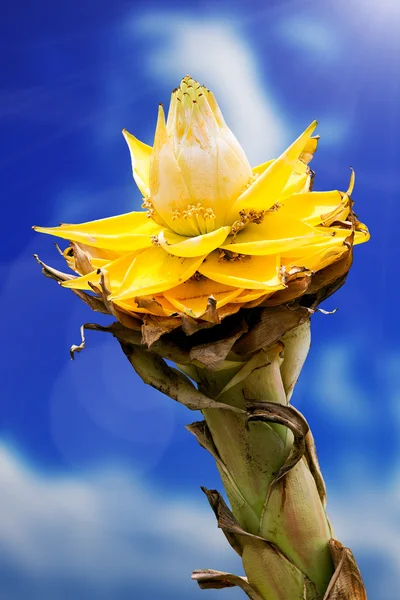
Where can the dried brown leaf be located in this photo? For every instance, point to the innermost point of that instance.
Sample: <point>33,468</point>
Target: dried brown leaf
<point>153,370</point>
<point>191,326</point>
<point>227,522</point>
<point>81,258</point>
<point>331,278</point>
<point>154,327</point>
<point>212,354</point>
<point>313,464</point>
<point>273,323</point>
<point>271,412</point>
<point>93,302</point>
<point>53,273</point>
<point>346,583</point>
<point>294,289</point>
<point>211,313</point>
<point>151,305</point>
<point>203,435</point>
<point>78,348</point>
<point>208,579</point>
<point>267,567</point>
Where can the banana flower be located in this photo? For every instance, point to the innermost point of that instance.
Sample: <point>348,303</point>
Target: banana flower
<point>220,274</point>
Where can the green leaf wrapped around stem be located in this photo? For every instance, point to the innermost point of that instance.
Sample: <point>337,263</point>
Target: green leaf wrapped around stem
<point>267,463</point>
<point>265,454</point>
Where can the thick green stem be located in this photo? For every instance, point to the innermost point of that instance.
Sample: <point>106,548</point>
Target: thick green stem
<point>289,512</point>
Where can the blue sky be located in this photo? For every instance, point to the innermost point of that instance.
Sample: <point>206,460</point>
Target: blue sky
<point>87,472</point>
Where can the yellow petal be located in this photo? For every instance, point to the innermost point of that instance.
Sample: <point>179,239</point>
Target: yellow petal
<point>140,157</point>
<point>275,234</point>
<point>192,246</point>
<point>317,256</point>
<point>307,154</point>
<point>99,263</point>
<point>155,271</point>
<point>265,190</point>
<point>300,167</point>
<point>254,272</point>
<point>261,168</point>
<point>317,259</point>
<point>192,297</point>
<point>316,207</point>
<point>127,232</point>
<point>248,296</point>
<point>115,272</point>
<point>361,234</point>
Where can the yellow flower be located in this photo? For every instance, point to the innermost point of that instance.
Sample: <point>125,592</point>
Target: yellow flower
<point>213,226</point>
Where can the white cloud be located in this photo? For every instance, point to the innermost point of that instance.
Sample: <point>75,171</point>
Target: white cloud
<point>104,531</point>
<point>110,531</point>
<point>366,518</point>
<point>216,52</point>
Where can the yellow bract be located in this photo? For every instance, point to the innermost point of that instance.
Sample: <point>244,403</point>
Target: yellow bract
<point>214,230</point>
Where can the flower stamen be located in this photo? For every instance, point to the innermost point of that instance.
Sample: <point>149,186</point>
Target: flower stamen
<point>246,216</point>
<point>148,206</point>
<point>227,255</point>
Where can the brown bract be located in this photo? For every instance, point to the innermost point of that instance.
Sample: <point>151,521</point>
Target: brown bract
<point>232,333</point>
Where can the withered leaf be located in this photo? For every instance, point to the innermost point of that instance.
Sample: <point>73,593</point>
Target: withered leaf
<point>152,369</point>
<point>211,313</point>
<point>151,305</point>
<point>212,354</point>
<point>270,568</point>
<point>94,302</point>
<point>332,273</point>
<point>191,326</point>
<point>203,435</point>
<point>154,327</point>
<point>129,320</point>
<point>53,273</point>
<point>209,579</point>
<point>78,348</point>
<point>294,289</point>
<point>273,323</point>
<point>313,464</point>
<point>271,412</point>
<point>227,522</point>
<point>346,582</point>
<point>81,258</point>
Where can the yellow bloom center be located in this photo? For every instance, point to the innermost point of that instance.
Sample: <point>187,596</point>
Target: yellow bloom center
<point>197,168</point>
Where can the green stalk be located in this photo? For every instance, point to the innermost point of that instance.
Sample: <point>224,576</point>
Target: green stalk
<point>272,484</point>
<point>266,457</point>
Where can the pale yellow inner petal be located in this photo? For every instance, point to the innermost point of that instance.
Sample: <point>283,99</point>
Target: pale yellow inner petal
<point>192,246</point>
